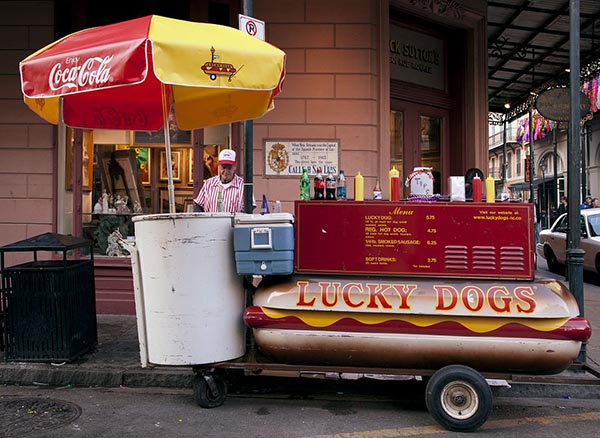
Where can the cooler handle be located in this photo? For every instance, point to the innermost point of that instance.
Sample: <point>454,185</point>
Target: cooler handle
<point>260,243</point>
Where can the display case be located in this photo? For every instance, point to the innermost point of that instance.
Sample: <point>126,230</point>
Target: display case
<point>444,239</point>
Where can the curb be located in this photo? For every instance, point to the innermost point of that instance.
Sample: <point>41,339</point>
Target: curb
<point>549,390</point>
<point>47,375</point>
<point>26,374</point>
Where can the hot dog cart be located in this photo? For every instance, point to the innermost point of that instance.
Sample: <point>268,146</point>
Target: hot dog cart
<point>441,290</point>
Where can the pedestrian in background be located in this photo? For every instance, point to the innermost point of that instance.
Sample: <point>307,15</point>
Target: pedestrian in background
<point>587,203</point>
<point>562,208</point>
<point>595,203</point>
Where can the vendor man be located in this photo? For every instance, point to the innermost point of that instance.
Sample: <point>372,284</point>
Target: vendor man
<point>230,185</point>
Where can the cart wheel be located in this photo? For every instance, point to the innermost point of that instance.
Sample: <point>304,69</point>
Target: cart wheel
<point>458,398</point>
<point>210,390</point>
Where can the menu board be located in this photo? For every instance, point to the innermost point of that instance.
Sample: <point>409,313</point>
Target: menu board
<point>444,239</point>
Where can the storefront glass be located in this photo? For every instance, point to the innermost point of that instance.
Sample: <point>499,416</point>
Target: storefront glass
<point>125,174</point>
<point>397,140</point>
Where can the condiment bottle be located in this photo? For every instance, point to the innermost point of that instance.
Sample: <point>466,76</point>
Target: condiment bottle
<point>359,187</point>
<point>477,189</point>
<point>377,189</point>
<point>330,187</point>
<point>393,171</point>
<point>395,187</point>
<point>220,206</point>
<point>304,185</point>
<point>341,186</point>
<point>319,185</point>
<point>490,189</point>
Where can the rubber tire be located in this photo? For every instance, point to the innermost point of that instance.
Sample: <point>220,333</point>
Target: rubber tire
<point>553,265</point>
<point>458,398</point>
<point>204,397</point>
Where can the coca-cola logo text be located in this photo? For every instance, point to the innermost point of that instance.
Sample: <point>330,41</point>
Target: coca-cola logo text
<point>93,72</point>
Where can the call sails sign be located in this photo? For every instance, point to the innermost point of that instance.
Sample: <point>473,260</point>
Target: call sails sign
<point>417,58</point>
<point>288,157</point>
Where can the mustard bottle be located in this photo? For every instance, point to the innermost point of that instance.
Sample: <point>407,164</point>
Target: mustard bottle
<point>490,189</point>
<point>359,187</point>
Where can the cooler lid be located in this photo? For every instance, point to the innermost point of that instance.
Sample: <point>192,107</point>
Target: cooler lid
<point>269,218</point>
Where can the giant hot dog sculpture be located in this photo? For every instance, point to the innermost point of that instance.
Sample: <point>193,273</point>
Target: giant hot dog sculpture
<point>492,326</point>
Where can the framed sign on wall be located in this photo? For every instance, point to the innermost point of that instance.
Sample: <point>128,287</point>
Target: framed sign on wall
<point>288,157</point>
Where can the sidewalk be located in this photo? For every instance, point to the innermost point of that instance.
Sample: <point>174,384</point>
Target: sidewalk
<point>116,362</point>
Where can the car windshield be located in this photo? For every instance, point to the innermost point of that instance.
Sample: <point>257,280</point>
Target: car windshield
<point>594,223</point>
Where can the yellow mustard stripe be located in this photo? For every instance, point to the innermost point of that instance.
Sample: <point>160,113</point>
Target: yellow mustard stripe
<point>476,324</point>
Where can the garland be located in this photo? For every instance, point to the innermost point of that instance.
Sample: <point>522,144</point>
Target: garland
<point>424,198</point>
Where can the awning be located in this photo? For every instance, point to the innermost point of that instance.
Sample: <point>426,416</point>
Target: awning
<point>528,47</point>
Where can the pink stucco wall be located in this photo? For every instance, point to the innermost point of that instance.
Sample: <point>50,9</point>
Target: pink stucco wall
<point>27,152</point>
<point>331,86</point>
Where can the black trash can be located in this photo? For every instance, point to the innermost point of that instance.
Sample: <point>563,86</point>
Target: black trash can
<point>48,306</point>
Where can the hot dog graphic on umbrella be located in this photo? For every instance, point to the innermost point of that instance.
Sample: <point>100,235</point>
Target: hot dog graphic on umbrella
<point>214,69</point>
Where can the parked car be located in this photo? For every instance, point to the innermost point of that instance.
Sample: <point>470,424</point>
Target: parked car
<point>552,244</point>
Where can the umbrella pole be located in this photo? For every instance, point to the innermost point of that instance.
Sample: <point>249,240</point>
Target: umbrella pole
<point>169,158</point>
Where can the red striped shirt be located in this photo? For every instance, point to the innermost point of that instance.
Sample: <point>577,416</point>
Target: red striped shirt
<point>233,195</point>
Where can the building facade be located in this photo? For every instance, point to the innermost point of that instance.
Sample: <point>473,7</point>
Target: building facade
<point>509,165</point>
<point>370,84</point>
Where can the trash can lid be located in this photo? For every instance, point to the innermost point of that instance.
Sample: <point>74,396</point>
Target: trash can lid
<point>47,242</point>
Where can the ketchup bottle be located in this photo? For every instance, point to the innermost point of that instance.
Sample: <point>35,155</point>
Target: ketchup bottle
<point>477,189</point>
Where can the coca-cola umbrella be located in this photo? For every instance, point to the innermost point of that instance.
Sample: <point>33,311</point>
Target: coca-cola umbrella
<point>130,75</point>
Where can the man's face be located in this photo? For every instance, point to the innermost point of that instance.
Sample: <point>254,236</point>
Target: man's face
<point>226,172</point>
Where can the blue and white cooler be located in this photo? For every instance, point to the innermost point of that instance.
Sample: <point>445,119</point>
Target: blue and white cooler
<point>264,243</point>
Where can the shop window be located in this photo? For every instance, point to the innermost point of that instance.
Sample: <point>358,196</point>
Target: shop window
<point>130,180</point>
<point>124,175</point>
<point>397,140</point>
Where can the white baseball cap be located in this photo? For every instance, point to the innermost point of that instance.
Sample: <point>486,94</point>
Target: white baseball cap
<point>227,156</point>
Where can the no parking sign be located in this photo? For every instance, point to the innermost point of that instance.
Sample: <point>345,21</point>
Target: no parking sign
<point>252,26</point>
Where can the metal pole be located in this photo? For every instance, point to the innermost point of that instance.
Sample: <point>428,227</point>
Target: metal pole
<point>574,252</point>
<point>504,155</point>
<point>531,158</point>
<point>542,195</point>
<point>584,190</point>
<point>588,135</point>
<point>555,165</point>
<point>247,8</point>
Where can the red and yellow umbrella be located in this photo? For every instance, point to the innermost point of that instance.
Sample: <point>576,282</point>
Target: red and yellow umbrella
<point>110,77</point>
<point>127,76</point>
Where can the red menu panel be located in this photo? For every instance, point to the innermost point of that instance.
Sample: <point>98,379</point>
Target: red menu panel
<point>445,239</point>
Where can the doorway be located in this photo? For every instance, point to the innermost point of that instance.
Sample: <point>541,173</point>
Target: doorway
<point>419,138</point>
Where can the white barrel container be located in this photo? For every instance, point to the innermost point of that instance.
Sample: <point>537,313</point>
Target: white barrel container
<point>189,299</point>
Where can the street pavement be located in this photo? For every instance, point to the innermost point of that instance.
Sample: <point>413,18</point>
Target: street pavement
<point>115,362</point>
